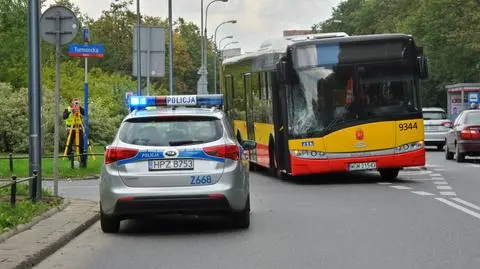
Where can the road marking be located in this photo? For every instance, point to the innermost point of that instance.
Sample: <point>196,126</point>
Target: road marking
<point>440,169</point>
<point>423,193</point>
<point>433,165</point>
<point>472,165</point>
<point>438,178</point>
<point>435,175</point>
<point>422,179</point>
<point>444,188</point>
<point>415,173</point>
<point>384,183</point>
<point>401,187</point>
<point>466,203</point>
<point>440,183</point>
<point>459,207</point>
<point>448,193</point>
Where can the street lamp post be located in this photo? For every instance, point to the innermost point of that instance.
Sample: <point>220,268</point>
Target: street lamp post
<point>216,60</point>
<point>216,48</point>
<point>205,47</point>
<point>228,44</point>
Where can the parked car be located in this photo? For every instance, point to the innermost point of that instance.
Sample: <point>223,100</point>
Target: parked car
<point>436,125</point>
<point>463,139</point>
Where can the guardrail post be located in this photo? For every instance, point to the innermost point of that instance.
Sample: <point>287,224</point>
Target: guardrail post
<point>34,185</point>
<point>10,161</point>
<point>13,192</point>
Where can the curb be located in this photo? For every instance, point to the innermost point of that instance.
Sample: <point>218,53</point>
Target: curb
<point>51,248</point>
<point>22,227</point>
<point>72,179</point>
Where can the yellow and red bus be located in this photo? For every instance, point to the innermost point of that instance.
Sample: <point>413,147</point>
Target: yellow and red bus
<point>330,103</point>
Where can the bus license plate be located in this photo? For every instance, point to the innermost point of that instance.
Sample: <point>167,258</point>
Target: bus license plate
<point>164,165</point>
<point>362,166</point>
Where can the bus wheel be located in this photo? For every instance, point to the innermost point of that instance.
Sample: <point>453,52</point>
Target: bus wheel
<point>273,169</point>
<point>389,174</point>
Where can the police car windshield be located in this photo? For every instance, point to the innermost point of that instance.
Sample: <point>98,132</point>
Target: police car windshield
<point>171,131</point>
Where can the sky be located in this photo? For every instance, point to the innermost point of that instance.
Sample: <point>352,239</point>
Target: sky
<point>258,20</point>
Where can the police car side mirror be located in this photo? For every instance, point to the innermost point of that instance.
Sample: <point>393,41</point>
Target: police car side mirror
<point>249,144</point>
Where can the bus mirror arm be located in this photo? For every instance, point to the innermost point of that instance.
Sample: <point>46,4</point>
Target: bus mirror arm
<point>282,72</point>
<point>422,63</point>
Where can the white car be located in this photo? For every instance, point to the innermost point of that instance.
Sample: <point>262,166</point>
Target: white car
<point>436,126</point>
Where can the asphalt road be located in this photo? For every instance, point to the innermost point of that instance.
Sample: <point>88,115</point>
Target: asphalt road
<point>427,219</point>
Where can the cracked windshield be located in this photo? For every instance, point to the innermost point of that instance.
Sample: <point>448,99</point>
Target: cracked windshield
<point>240,134</point>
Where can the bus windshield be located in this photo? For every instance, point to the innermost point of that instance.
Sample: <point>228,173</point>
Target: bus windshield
<point>321,98</point>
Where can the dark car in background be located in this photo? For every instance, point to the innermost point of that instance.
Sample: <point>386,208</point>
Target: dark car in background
<point>463,139</point>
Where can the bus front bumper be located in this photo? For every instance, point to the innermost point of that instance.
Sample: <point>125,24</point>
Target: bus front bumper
<point>301,166</point>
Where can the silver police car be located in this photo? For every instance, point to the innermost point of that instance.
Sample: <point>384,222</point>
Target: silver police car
<point>175,160</point>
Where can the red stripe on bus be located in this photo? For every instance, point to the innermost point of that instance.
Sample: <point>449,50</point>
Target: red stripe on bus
<point>307,167</point>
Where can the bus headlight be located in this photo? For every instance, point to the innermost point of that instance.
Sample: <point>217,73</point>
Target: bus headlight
<point>410,147</point>
<point>308,154</point>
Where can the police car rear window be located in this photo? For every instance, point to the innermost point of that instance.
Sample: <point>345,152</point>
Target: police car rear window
<point>171,131</point>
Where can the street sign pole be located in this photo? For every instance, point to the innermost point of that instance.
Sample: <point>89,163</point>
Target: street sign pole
<point>58,22</point>
<point>58,26</point>
<point>86,41</point>
<point>139,66</point>
<point>149,36</point>
<point>170,45</point>
<point>34,74</point>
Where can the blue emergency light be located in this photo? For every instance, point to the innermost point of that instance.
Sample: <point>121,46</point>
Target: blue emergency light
<point>141,102</point>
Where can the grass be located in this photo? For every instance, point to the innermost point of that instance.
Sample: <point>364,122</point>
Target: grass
<point>25,210</point>
<point>20,167</point>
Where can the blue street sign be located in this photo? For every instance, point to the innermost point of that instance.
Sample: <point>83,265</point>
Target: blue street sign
<point>86,35</point>
<point>473,97</point>
<point>86,50</point>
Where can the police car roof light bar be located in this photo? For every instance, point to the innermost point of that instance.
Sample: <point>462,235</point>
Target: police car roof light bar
<point>142,102</point>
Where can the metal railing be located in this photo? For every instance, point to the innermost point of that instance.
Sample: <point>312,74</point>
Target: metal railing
<point>72,158</point>
<point>13,187</point>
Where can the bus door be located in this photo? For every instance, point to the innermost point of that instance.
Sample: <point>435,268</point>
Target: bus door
<point>280,123</point>
<point>247,83</point>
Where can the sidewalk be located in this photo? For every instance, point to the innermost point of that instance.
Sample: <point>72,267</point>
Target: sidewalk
<point>28,248</point>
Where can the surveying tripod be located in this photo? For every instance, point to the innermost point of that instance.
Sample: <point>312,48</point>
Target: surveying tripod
<point>77,130</point>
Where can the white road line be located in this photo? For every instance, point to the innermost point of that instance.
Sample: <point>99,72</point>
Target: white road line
<point>444,188</point>
<point>440,169</point>
<point>384,183</point>
<point>440,183</point>
<point>466,203</point>
<point>448,193</point>
<point>401,187</point>
<point>438,178</point>
<point>472,165</point>
<point>435,175</point>
<point>423,193</point>
<point>459,207</point>
<point>421,179</point>
<point>433,165</point>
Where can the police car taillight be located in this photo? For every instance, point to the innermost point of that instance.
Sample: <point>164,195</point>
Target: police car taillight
<point>229,151</point>
<point>114,154</point>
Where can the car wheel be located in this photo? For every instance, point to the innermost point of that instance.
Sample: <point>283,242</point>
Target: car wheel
<point>460,156</point>
<point>389,174</point>
<point>109,224</point>
<point>241,219</point>
<point>448,154</point>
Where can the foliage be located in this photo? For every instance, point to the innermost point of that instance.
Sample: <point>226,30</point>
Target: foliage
<point>446,29</point>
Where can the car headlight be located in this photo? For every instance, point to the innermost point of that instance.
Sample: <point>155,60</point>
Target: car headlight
<point>410,147</point>
<point>308,154</point>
